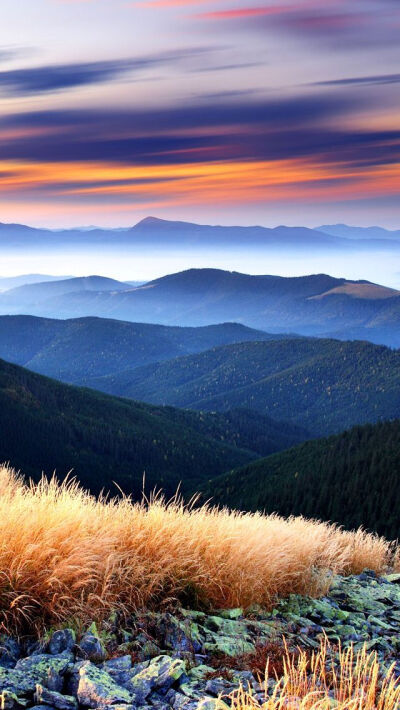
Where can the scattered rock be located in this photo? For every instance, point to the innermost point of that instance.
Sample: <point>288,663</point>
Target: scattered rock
<point>160,674</point>
<point>90,647</point>
<point>10,651</point>
<point>63,640</point>
<point>153,673</point>
<point>97,688</point>
<point>55,700</point>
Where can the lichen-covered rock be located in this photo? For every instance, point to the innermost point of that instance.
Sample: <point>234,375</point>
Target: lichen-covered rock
<point>62,640</point>
<point>159,674</point>
<point>17,683</point>
<point>42,664</point>
<point>91,647</point>
<point>212,704</point>
<point>232,614</point>
<point>97,688</point>
<point>182,702</point>
<point>55,700</point>
<point>121,663</point>
<point>28,672</point>
<point>228,646</point>
<point>182,635</point>
<point>357,610</point>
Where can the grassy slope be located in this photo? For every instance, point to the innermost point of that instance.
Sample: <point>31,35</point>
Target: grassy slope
<point>67,556</point>
<point>321,384</point>
<point>352,478</point>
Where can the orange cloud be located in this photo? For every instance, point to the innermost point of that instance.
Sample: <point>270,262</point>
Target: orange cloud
<point>207,183</point>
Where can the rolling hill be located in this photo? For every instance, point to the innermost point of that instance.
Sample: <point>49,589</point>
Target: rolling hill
<point>316,305</point>
<point>31,296</point>
<point>47,426</point>
<point>322,384</point>
<point>352,478</point>
<point>79,349</point>
<point>8,282</point>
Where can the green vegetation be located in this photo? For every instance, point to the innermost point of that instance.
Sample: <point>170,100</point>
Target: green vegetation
<point>322,384</point>
<point>352,479</point>
<point>79,349</point>
<point>242,427</point>
<point>47,426</point>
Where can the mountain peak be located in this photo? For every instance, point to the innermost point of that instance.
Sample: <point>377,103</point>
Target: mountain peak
<point>150,222</point>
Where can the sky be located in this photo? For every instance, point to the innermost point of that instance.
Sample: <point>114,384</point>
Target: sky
<point>217,111</point>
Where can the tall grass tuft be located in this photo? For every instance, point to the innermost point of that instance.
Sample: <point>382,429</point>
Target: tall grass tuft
<point>65,555</point>
<point>356,681</point>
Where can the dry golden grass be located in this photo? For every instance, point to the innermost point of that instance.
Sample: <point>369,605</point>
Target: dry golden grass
<point>65,555</point>
<point>356,683</point>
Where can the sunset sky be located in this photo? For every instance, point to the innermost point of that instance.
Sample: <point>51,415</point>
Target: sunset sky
<point>227,111</point>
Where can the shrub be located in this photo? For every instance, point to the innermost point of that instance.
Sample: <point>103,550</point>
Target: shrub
<point>65,555</point>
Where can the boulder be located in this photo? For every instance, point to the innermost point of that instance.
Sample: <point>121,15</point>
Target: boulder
<point>54,699</point>
<point>97,688</point>
<point>91,647</point>
<point>10,651</point>
<point>28,672</point>
<point>158,674</point>
<point>62,640</point>
<point>122,663</point>
<point>9,701</point>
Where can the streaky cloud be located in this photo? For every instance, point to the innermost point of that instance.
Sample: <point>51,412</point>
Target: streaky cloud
<point>61,77</point>
<point>373,79</point>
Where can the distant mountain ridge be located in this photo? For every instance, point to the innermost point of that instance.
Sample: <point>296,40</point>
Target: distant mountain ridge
<point>40,290</point>
<point>346,231</point>
<point>8,282</point>
<point>318,305</point>
<point>153,231</point>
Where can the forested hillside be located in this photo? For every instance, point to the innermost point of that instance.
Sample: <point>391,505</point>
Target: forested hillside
<point>352,478</point>
<point>322,384</point>
<point>78,349</point>
<point>48,426</point>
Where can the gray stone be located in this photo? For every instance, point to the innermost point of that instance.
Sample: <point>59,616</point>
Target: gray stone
<point>182,702</point>
<point>97,688</point>
<point>212,704</point>
<point>91,647</point>
<point>9,701</point>
<point>10,651</point>
<point>218,686</point>
<point>72,678</point>
<point>43,669</point>
<point>17,682</point>
<point>158,674</point>
<point>123,663</point>
<point>56,700</point>
<point>62,640</point>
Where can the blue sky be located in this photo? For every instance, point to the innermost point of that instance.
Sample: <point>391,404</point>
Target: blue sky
<point>215,111</point>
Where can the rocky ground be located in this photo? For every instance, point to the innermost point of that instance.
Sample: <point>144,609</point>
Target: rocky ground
<point>164,660</point>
